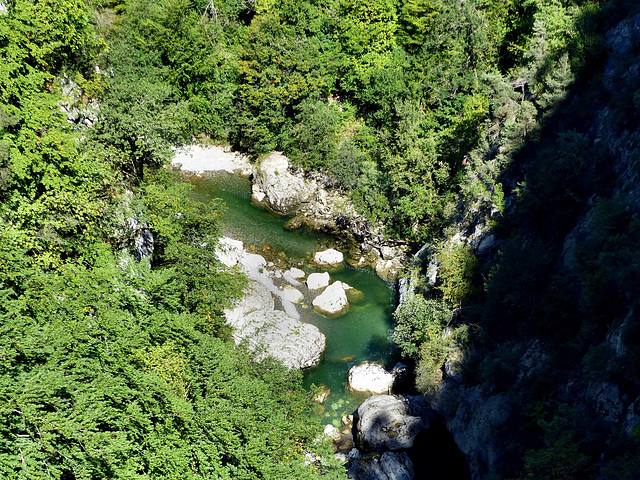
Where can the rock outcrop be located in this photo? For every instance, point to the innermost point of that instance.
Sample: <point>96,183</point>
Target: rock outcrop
<point>370,377</point>
<point>276,189</point>
<point>386,423</point>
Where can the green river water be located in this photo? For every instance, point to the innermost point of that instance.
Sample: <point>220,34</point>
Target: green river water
<point>361,334</point>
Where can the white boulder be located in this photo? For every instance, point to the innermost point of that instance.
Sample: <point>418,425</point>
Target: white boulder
<point>316,281</point>
<point>332,302</point>
<point>292,294</point>
<point>296,273</point>
<point>327,258</point>
<point>370,377</point>
<point>253,261</point>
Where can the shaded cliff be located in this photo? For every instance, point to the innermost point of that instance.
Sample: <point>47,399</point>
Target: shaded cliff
<point>550,386</point>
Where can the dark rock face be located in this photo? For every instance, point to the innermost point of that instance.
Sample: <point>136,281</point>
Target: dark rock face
<point>388,466</point>
<point>386,423</point>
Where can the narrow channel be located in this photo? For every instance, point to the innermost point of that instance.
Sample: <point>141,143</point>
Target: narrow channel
<point>361,334</point>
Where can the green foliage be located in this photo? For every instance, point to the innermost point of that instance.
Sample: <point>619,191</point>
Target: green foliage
<point>99,381</point>
<point>457,267</point>
<point>424,334</point>
<point>561,457</point>
<point>139,113</point>
<point>418,321</point>
<point>315,134</point>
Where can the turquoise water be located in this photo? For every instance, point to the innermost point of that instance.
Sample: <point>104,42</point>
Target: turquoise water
<point>361,334</point>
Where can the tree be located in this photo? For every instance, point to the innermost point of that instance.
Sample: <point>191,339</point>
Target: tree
<point>140,114</point>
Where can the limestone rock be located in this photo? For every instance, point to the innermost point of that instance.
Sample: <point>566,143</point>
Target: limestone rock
<point>256,298</point>
<point>370,377</point>
<point>253,261</point>
<point>297,273</point>
<point>328,258</point>
<point>385,423</point>
<point>292,294</point>
<point>316,281</point>
<point>332,432</point>
<point>473,428</point>
<point>229,251</point>
<point>388,269</point>
<point>332,302</point>
<point>278,190</point>
<point>274,333</point>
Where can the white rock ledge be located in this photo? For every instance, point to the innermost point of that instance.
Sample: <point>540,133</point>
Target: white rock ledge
<point>267,331</point>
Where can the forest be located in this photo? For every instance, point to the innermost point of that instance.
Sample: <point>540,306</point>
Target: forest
<point>429,114</point>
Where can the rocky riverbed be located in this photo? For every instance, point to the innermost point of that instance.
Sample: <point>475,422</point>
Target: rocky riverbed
<point>307,200</point>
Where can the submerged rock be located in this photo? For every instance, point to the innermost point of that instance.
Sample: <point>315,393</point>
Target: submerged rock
<point>332,302</point>
<point>322,394</point>
<point>370,377</point>
<point>353,294</point>
<point>385,423</point>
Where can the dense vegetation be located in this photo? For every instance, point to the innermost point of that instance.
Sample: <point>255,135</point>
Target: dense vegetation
<point>431,114</point>
<point>113,363</point>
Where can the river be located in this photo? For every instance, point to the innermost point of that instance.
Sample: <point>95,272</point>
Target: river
<point>361,334</point>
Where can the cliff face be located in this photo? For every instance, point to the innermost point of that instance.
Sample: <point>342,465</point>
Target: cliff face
<point>551,386</point>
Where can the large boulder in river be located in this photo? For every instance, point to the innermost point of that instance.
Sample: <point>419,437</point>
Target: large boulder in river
<point>332,302</point>
<point>370,377</point>
<point>385,423</point>
<point>257,298</point>
<point>272,332</point>
<point>278,190</point>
